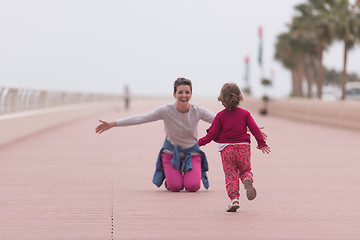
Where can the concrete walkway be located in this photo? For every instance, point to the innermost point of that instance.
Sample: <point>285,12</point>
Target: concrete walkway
<point>69,183</point>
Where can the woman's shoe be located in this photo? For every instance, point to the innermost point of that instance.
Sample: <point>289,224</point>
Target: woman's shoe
<point>233,206</point>
<point>166,186</point>
<point>250,190</point>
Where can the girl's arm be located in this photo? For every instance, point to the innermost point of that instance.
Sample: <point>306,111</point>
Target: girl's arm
<point>258,134</point>
<point>255,131</point>
<point>262,133</point>
<point>212,132</point>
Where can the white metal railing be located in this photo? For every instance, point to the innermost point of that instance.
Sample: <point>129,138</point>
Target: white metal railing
<point>13,100</point>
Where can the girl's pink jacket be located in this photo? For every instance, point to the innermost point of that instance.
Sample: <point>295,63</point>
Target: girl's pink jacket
<point>231,127</point>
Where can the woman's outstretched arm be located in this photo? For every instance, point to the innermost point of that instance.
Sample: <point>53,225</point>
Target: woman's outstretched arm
<point>154,115</point>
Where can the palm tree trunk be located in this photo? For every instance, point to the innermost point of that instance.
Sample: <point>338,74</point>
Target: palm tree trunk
<point>296,82</point>
<point>310,75</point>
<point>320,74</point>
<point>299,76</point>
<point>343,77</point>
<point>293,78</point>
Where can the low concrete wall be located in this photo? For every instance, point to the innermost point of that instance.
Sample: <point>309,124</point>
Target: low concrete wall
<point>14,100</point>
<point>342,114</point>
<point>18,125</point>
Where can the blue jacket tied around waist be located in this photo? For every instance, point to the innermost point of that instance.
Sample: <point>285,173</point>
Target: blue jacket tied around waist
<point>159,175</point>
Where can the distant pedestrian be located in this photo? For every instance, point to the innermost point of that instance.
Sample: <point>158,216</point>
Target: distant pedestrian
<point>127,97</point>
<point>229,129</point>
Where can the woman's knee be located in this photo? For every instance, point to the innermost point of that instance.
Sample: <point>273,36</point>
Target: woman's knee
<point>192,178</point>
<point>192,186</point>
<point>175,187</point>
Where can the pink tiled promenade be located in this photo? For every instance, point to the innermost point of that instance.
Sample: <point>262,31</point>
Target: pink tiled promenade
<point>69,183</point>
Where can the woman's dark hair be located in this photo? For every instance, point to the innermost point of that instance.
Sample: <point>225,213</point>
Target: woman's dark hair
<point>230,96</point>
<point>182,81</point>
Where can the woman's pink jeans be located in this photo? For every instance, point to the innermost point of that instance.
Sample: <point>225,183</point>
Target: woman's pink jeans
<point>176,180</point>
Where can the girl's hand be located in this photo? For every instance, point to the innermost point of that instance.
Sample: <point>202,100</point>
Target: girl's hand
<point>104,126</point>
<point>265,150</point>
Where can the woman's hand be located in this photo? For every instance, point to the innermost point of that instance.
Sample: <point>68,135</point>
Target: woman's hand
<point>265,149</point>
<point>104,126</point>
<point>263,134</point>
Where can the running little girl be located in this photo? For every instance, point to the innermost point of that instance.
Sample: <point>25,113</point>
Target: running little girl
<point>229,129</point>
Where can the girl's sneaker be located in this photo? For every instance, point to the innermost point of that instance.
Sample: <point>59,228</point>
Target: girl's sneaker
<point>250,190</point>
<point>234,205</point>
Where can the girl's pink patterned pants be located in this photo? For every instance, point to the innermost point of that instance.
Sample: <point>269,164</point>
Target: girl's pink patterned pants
<point>236,164</point>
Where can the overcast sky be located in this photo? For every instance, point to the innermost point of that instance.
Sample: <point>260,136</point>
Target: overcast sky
<point>101,45</point>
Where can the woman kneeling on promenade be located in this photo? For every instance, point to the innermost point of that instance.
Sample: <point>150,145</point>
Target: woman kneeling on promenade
<point>180,160</point>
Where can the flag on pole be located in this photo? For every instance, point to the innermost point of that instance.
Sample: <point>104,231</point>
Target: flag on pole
<point>260,47</point>
<point>246,75</point>
<point>247,89</point>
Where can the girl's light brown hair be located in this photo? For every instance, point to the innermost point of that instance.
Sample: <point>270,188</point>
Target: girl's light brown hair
<point>230,96</point>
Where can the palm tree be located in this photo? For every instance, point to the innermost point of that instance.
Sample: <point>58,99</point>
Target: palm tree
<point>301,44</point>
<point>286,55</point>
<point>357,3</point>
<point>292,49</point>
<point>346,27</point>
<point>319,25</point>
<point>309,35</point>
<point>302,28</point>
